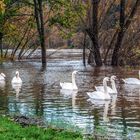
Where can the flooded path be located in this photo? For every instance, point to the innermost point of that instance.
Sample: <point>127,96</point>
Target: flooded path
<point>40,95</point>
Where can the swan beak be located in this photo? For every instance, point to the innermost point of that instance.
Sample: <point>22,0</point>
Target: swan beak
<point>116,78</point>
<point>76,72</point>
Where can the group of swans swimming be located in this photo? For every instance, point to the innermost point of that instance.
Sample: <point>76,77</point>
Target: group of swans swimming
<point>102,92</point>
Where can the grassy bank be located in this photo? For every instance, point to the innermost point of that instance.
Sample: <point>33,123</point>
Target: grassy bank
<point>10,130</point>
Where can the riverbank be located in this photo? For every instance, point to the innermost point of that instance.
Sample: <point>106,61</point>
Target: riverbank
<point>10,129</point>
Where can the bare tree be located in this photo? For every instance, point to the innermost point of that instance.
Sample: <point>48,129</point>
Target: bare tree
<point>93,34</point>
<point>124,25</point>
<point>40,26</point>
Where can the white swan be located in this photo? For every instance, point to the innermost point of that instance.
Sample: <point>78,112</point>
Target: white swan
<point>110,90</point>
<point>70,86</point>
<point>2,80</point>
<point>2,77</point>
<point>16,79</point>
<point>101,95</point>
<point>132,81</point>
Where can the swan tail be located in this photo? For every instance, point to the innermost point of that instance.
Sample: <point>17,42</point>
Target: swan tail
<point>61,84</point>
<point>89,94</point>
<point>95,87</point>
<point>123,80</point>
<point>98,88</point>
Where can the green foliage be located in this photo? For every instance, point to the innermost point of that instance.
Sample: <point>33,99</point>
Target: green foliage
<point>2,7</point>
<point>10,130</point>
<point>31,23</point>
<point>66,15</point>
<point>5,26</point>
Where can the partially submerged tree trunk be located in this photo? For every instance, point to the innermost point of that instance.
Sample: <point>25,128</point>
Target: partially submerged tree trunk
<point>40,27</point>
<point>93,34</point>
<point>115,55</point>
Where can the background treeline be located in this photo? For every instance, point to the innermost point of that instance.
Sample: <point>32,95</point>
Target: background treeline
<point>109,29</point>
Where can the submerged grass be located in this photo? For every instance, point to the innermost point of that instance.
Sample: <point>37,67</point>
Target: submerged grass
<point>10,130</point>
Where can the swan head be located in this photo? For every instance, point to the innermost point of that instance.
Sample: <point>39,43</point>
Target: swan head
<point>74,72</point>
<point>106,79</point>
<point>2,74</point>
<point>113,77</point>
<point>17,73</point>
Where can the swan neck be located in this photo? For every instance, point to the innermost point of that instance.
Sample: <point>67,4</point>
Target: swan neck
<point>73,80</point>
<point>105,86</point>
<point>17,75</point>
<point>113,85</point>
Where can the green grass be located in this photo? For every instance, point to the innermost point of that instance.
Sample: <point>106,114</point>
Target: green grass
<point>10,130</point>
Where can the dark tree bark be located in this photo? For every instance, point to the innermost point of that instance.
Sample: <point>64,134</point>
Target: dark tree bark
<point>123,28</point>
<point>18,45</point>
<point>1,47</point>
<point>115,55</point>
<point>93,34</point>
<point>40,27</point>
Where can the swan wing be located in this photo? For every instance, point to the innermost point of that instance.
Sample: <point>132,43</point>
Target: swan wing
<point>2,78</point>
<point>16,80</point>
<point>132,81</point>
<point>110,90</point>
<point>2,83</point>
<point>101,88</point>
<point>97,95</point>
<point>66,85</point>
<point>13,80</point>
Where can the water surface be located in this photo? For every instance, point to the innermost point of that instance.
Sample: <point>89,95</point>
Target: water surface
<point>40,95</point>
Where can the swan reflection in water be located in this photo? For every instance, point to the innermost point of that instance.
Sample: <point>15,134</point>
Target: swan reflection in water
<point>17,88</point>
<point>70,94</point>
<point>113,105</point>
<point>102,104</point>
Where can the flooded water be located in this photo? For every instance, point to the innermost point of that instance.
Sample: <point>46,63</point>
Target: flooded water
<point>41,95</point>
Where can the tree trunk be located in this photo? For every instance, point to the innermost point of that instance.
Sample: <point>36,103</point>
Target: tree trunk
<point>93,34</point>
<point>40,26</point>
<point>123,28</point>
<point>115,55</point>
<point>1,48</point>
